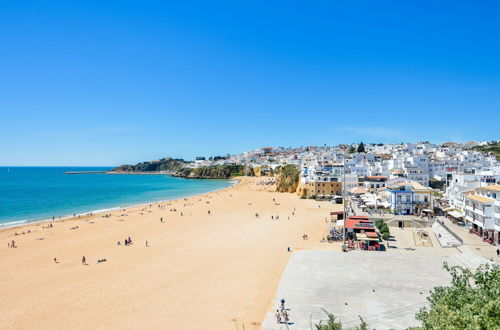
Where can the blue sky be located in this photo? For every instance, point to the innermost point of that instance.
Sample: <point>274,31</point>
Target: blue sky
<point>112,82</point>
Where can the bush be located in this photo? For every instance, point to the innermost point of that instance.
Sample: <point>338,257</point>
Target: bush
<point>472,301</point>
<point>333,324</point>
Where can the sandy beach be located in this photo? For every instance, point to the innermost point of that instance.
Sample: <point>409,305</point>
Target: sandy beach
<point>199,270</point>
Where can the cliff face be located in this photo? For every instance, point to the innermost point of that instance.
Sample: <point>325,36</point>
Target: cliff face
<point>162,165</point>
<point>177,167</point>
<point>212,172</point>
<point>287,178</point>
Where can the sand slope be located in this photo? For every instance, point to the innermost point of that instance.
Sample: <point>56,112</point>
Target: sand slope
<point>200,271</point>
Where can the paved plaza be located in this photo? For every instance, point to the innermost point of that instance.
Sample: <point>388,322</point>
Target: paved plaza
<point>386,289</point>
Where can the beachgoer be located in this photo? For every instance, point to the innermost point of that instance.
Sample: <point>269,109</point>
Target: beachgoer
<point>272,217</point>
<point>84,260</point>
<point>285,316</point>
<point>278,317</point>
<point>55,260</point>
<point>161,219</point>
<point>498,252</point>
<point>146,243</point>
<point>282,304</point>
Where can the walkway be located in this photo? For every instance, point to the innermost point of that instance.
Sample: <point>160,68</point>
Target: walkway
<point>444,237</point>
<point>472,241</point>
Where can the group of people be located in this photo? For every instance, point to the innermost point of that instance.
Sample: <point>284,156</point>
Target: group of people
<point>282,313</point>
<point>12,244</point>
<point>27,232</point>
<point>128,241</point>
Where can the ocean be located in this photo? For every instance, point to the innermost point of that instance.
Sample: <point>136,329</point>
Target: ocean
<point>36,193</point>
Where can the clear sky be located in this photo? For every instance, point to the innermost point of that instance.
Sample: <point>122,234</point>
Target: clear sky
<point>112,82</point>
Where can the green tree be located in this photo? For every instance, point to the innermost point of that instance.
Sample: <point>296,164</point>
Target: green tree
<point>333,324</point>
<point>472,301</point>
<point>330,324</point>
<point>351,150</point>
<point>361,147</point>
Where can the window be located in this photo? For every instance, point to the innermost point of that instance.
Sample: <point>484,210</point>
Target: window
<point>408,198</point>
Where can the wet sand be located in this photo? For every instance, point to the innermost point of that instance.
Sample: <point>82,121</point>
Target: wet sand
<point>200,271</point>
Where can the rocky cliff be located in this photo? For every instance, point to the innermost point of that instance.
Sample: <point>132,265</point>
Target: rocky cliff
<point>287,178</point>
<point>212,172</point>
<point>162,165</point>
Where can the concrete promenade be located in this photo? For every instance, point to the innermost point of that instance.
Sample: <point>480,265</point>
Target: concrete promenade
<point>386,289</point>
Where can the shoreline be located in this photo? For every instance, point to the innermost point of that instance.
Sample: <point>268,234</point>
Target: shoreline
<point>78,216</point>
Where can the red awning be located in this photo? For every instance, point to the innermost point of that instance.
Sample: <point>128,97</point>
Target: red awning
<point>358,224</point>
<point>358,217</point>
<point>337,213</point>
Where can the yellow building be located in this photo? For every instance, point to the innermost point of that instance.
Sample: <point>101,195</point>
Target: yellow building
<point>314,188</point>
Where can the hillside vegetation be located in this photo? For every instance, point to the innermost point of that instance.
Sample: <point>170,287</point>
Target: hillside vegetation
<point>212,172</point>
<point>162,165</point>
<point>492,147</point>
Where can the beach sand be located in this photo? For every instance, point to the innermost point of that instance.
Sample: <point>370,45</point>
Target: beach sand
<point>200,271</point>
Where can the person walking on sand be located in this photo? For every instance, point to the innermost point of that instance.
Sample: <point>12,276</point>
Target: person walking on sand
<point>147,244</point>
<point>55,260</point>
<point>84,260</point>
<point>285,316</point>
<point>282,304</point>
<point>498,252</point>
<point>278,316</point>
<point>161,219</point>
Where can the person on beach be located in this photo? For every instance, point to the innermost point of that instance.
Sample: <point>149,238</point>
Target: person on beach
<point>285,316</point>
<point>84,260</point>
<point>498,252</point>
<point>282,304</point>
<point>55,260</point>
<point>208,212</point>
<point>278,316</point>
<point>272,217</point>
<point>147,244</point>
<point>161,219</point>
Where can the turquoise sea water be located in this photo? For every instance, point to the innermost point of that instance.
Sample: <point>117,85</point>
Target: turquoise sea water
<point>37,193</point>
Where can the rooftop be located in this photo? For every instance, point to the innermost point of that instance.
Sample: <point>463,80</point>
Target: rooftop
<point>479,198</point>
<point>493,187</point>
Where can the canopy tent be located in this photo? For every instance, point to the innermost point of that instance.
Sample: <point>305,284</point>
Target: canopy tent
<point>357,191</point>
<point>384,204</point>
<point>456,214</point>
<point>364,237</point>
